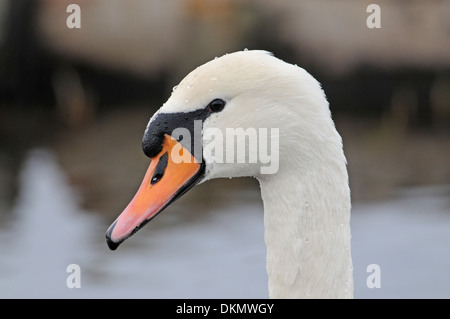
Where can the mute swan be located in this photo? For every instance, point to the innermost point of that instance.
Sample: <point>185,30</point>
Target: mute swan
<point>306,200</point>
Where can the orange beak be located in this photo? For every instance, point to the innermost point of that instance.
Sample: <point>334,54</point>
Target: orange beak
<point>166,179</point>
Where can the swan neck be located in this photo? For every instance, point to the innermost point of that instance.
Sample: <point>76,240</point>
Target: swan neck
<point>307,231</point>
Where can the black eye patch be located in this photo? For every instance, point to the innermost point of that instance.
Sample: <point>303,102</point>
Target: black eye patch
<point>160,168</point>
<point>165,123</point>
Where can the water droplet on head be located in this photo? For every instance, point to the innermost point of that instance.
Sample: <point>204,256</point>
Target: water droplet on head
<point>174,88</point>
<point>188,86</point>
<point>213,78</point>
<point>245,49</point>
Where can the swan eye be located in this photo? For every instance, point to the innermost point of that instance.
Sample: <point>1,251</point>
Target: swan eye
<point>216,105</point>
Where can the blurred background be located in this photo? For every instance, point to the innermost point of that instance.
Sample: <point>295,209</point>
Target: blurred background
<point>74,104</point>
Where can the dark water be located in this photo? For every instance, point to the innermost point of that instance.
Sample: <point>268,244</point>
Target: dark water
<point>219,256</point>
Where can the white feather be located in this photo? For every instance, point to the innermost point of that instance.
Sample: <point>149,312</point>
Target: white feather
<point>307,201</point>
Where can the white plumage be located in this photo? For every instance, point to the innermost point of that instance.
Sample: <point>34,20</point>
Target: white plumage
<point>307,201</point>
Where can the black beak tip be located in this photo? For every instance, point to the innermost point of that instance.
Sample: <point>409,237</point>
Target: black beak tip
<point>111,244</point>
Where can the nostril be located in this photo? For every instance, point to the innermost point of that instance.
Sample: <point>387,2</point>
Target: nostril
<point>160,168</point>
<point>155,179</point>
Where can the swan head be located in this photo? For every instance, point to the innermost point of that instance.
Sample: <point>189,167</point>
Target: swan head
<point>237,115</point>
